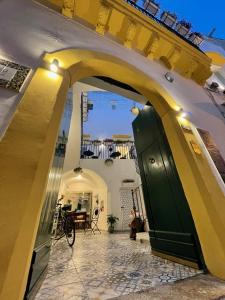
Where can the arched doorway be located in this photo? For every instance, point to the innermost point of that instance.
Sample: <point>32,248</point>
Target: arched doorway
<point>33,133</point>
<point>90,183</point>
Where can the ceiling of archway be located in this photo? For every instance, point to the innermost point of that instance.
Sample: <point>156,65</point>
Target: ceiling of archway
<point>126,25</point>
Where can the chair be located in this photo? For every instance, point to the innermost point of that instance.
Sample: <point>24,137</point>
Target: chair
<point>94,220</point>
<point>80,219</point>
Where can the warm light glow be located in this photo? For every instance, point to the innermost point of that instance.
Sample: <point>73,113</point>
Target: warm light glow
<point>182,120</point>
<point>135,110</point>
<point>54,66</point>
<point>52,75</point>
<point>183,115</point>
<point>177,108</point>
<point>79,176</point>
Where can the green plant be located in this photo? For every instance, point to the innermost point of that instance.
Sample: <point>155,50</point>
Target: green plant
<point>111,220</point>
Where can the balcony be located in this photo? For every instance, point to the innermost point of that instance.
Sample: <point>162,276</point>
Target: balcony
<point>135,28</point>
<point>170,28</point>
<point>95,149</point>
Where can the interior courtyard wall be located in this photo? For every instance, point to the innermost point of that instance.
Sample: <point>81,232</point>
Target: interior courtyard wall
<point>74,139</point>
<point>88,182</point>
<point>101,192</point>
<point>113,176</point>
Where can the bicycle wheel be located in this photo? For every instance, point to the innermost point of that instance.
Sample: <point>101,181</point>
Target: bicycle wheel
<point>70,230</point>
<point>59,231</point>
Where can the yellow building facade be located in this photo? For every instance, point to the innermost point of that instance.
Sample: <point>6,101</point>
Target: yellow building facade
<point>28,143</point>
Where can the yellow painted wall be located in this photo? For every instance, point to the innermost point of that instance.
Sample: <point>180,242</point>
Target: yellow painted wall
<point>113,18</point>
<point>28,146</point>
<point>26,153</point>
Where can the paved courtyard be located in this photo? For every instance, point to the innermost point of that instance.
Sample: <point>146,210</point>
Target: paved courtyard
<point>104,266</point>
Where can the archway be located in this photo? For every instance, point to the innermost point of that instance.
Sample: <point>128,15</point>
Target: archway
<point>28,146</point>
<point>91,183</point>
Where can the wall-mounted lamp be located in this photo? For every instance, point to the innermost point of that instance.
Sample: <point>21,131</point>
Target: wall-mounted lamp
<point>54,66</point>
<point>169,77</point>
<point>78,171</point>
<point>182,114</point>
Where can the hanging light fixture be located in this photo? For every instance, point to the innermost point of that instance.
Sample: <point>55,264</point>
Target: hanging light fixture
<point>113,103</point>
<point>78,171</point>
<point>134,109</point>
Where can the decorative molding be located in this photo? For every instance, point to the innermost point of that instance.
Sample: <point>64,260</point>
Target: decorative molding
<point>153,45</point>
<point>17,75</point>
<point>201,73</point>
<point>154,40</point>
<point>130,34</point>
<point>68,8</point>
<point>174,56</point>
<point>103,17</point>
<point>192,67</point>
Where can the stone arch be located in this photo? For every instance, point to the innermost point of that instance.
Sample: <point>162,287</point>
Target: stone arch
<point>28,146</point>
<point>90,181</point>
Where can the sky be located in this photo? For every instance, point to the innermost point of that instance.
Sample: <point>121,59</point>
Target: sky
<point>110,115</point>
<point>202,14</point>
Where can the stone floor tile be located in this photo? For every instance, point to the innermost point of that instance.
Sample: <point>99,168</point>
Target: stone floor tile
<point>106,266</point>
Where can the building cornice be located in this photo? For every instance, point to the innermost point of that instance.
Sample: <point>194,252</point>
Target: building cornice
<point>130,27</point>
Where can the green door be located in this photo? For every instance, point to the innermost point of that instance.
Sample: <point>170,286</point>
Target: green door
<point>172,229</point>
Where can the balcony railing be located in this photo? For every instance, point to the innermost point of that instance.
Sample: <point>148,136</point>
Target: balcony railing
<point>145,12</point>
<point>108,149</point>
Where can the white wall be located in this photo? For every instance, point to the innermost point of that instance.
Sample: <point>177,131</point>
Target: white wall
<point>74,139</point>
<point>27,44</point>
<point>113,177</point>
<point>88,182</point>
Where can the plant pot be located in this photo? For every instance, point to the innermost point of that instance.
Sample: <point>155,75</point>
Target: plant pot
<point>151,7</point>
<point>168,19</point>
<point>196,38</point>
<point>182,29</point>
<point>111,229</point>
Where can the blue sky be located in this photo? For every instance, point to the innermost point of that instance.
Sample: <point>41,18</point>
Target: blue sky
<point>110,115</point>
<point>104,121</point>
<point>203,14</point>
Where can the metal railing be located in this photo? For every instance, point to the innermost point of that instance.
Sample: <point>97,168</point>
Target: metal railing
<point>107,149</point>
<point>148,14</point>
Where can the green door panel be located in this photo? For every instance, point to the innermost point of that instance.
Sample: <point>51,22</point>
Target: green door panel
<point>158,185</point>
<point>172,229</point>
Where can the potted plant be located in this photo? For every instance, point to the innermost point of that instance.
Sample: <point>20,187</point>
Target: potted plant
<point>168,18</point>
<point>196,38</point>
<point>151,6</point>
<point>111,221</point>
<point>183,27</point>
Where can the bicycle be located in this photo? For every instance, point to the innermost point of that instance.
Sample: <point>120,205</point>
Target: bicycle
<point>64,225</point>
